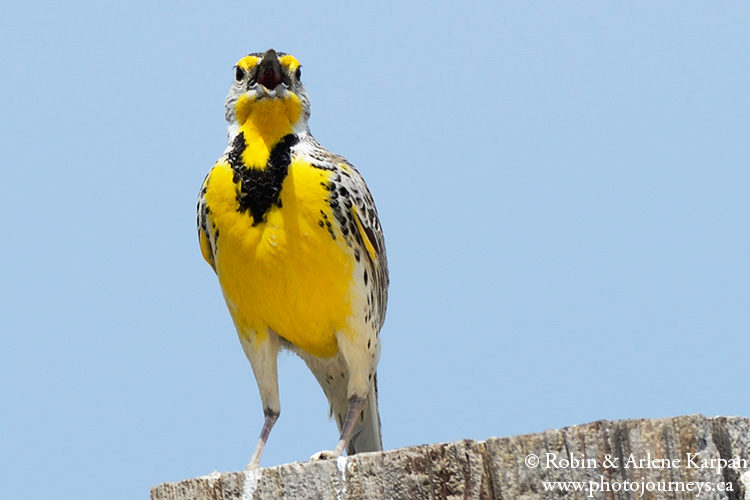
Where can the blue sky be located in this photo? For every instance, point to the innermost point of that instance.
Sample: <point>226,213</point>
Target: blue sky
<point>563,187</point>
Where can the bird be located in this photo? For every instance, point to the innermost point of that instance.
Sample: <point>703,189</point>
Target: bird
<point>292,232</point>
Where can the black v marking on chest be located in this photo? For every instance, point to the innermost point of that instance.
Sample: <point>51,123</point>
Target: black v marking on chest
<point>261,188</point>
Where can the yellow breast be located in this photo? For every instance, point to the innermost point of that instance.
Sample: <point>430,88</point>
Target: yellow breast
<point>287,273</point>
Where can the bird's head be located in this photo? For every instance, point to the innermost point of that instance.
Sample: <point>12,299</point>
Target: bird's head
<point>268,92</point>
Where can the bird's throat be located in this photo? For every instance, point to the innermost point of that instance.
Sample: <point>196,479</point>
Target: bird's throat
<point>263,123</point>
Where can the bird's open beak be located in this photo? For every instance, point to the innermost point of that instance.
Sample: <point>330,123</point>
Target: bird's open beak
<point>269,70</point>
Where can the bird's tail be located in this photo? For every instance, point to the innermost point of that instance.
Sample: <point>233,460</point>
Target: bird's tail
<point>366,434</point>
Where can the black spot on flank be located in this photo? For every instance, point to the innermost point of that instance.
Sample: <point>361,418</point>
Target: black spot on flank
<point>216,234</point>
<point>356,254</point>
<point>330,229</point>
<point>369,376</point>
<point>208,210</point>
<point>343,191</point>
<point>342,374</point>
<point>368,345</point>
<point>320,223</point>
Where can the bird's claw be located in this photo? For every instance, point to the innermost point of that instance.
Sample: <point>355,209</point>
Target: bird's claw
<point>323,455</point>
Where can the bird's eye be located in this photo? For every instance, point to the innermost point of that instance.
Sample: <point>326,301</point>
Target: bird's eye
<point>239,73</point>
<point>298,73</point>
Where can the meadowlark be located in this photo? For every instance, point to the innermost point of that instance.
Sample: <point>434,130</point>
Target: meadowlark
<point>292,232</point>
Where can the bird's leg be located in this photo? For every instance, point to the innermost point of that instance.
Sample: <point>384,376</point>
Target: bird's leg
<point>357,360</point>
<point>356,405</point>
<point>262,353</point>
<point>271,417</point>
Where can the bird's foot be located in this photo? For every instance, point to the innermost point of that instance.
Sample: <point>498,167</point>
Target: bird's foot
<point>323,455</point>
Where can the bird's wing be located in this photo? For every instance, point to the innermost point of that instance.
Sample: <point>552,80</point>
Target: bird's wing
<point>357,201</point>
<point>356,212</point>
<point>204,236</point>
